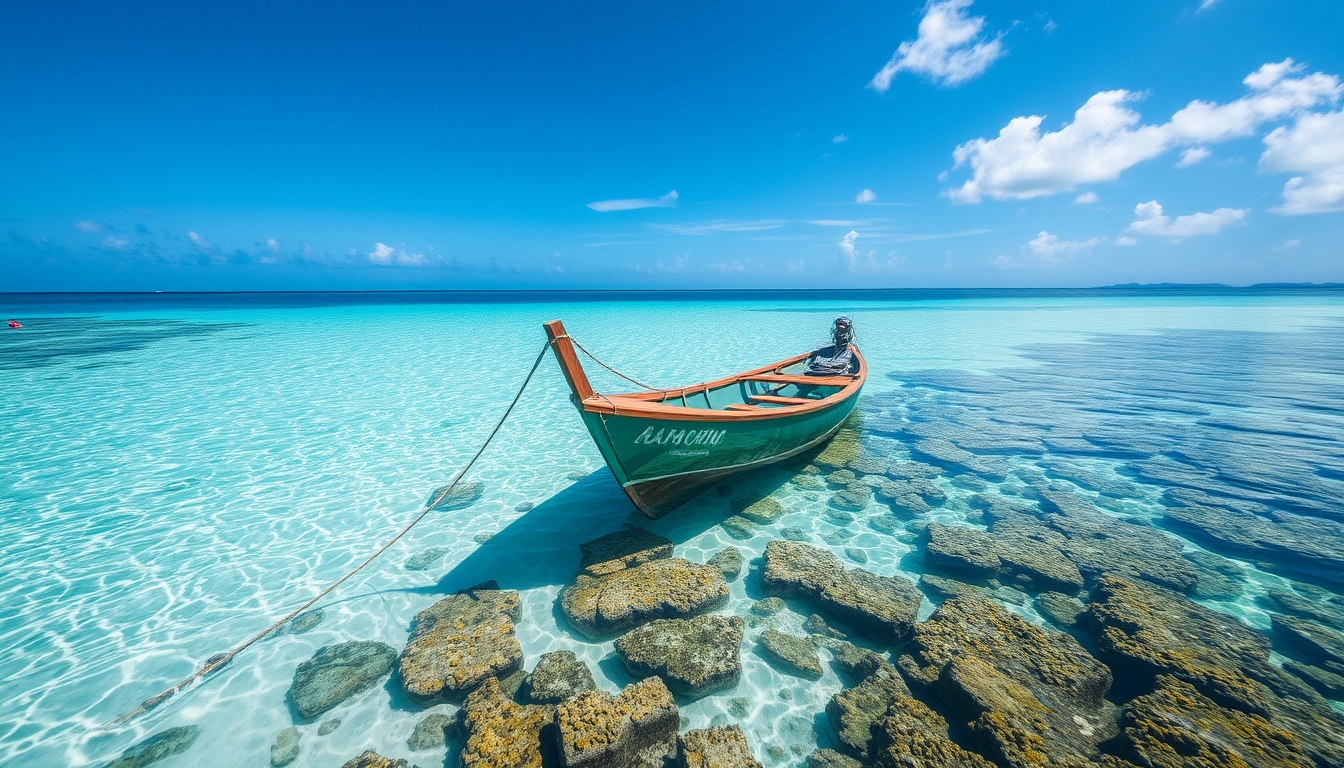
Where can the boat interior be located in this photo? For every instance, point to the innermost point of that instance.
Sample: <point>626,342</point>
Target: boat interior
<point>785,385</point>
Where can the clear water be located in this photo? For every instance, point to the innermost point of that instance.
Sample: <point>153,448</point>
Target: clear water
<point>178,472</point>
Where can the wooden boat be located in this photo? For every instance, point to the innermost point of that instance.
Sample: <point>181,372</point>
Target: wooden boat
<point>669,445</point>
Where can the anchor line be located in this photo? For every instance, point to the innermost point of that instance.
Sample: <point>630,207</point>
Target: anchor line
<point>218,661</point>
<point>634,381</point>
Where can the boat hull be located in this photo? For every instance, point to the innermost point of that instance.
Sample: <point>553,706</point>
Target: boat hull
<point>661,463</point>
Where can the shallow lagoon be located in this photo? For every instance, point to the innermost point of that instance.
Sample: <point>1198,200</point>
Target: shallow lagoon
<point>177,474</point>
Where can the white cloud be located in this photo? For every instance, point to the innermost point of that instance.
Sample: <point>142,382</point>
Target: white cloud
<point>1051,248</point>
<point>202,244</point>
<point>1149,220</point>
<point>719,225</point>
<point>1193,155</point>
<point>1206,4</point>
<point>1313,146</point>
<point>1126,240</point>
<point>841,139</point>
<point>1287,245</point>
<point>835,222</point>
<point>950,48</point>
<point>116,243</point>
<point>273,244</point>
<point>847,255</point>
<point>1085,198</point>
<point>866,196</point>
<point>666,201</point>
<point>1106,137</point>
<point>91,226</point>
<point>381,254</point>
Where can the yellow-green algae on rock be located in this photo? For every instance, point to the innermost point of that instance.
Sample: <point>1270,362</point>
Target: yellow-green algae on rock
<point>599,607</point>
<point>637,728</point>
<point>500,732</point>
<point>721,746</point>
<point>460,641</point>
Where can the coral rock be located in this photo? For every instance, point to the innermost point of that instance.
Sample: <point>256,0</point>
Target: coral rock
<point>638,728</point>
<point>558,676</point>
<point>286,747</point>
<point>723,746</point>
<point>622,549</point>
<point>371,759</point>
<point>459,642</point>
<point>337,672</point>
<point>161,745</point>
<point>758,509</point>
<point>1176,727</point>
<point>796,654</point>
<point>660,589</point>
<point>693,656</point>
<point>1022,690</point>
<point>729,561</point>
<point>880,607</point>
<point>502,733</point>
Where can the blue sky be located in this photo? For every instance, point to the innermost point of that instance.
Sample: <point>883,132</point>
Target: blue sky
<point>240,146</point>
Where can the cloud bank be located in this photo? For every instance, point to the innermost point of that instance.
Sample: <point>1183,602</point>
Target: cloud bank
<point>1106,136</point>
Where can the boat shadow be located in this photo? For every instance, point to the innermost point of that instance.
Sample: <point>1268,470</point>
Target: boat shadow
<point>541,547</point>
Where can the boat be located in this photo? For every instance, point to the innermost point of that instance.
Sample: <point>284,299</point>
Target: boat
<point>666,446</point>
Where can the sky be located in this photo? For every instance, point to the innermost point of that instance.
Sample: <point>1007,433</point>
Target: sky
<point>422,145</point>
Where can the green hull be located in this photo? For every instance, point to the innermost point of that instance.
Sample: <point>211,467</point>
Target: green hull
<point>661,463</point>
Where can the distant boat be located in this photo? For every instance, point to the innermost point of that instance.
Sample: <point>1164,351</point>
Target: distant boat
<point>668,445</point>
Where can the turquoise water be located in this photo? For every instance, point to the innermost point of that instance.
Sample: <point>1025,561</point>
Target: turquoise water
<point>178,473</point>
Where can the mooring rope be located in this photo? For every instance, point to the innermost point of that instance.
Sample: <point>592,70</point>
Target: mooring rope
<point>634,381</point>
<point>218,661</point>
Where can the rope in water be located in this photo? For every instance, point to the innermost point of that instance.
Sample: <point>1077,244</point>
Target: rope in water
<point>220,660</point>
<point>636,382</point>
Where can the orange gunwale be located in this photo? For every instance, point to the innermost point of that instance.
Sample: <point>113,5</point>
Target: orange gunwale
<point>642,403</point>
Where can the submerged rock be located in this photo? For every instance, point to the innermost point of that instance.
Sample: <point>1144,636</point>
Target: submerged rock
<point>306,622</point>
<point>1059,608</point>
<point>854,663</point>
<point>459,642</point>
<point>738,527</point>
<point>638,728</point>
<point>432,732</point>
<point>1307,639</point>
<point>1328,684</point>
<point>502,733</point>
<point>729,561</point>
<point>1177,726</point>
<point>337,672</point>
<point>944,588</point>
<point>1143,631</point>
<point>829,758</point>
<point>808,482</point>
<point>1317,610</point>
<point>285,749</point>
<point>882,608</point>
<point>1023,691</point>
<point>1299,543</point>
<point>693,656</point>
<point>462,496</point>
<point>759,509</point>
<point>796,654</point>
<point>371,759</point>
<point>558,676</point>
<point>425,559</point>
<point>910,734</point>
<point>622,549</point>
<point>327,726</point>
<point>659,589</point>
<point>853,711</point>
<point>842,449</point>
<point>1107,546</point>
<point>722,746</point>
<point>161,745</point>
<point>767,607</point>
